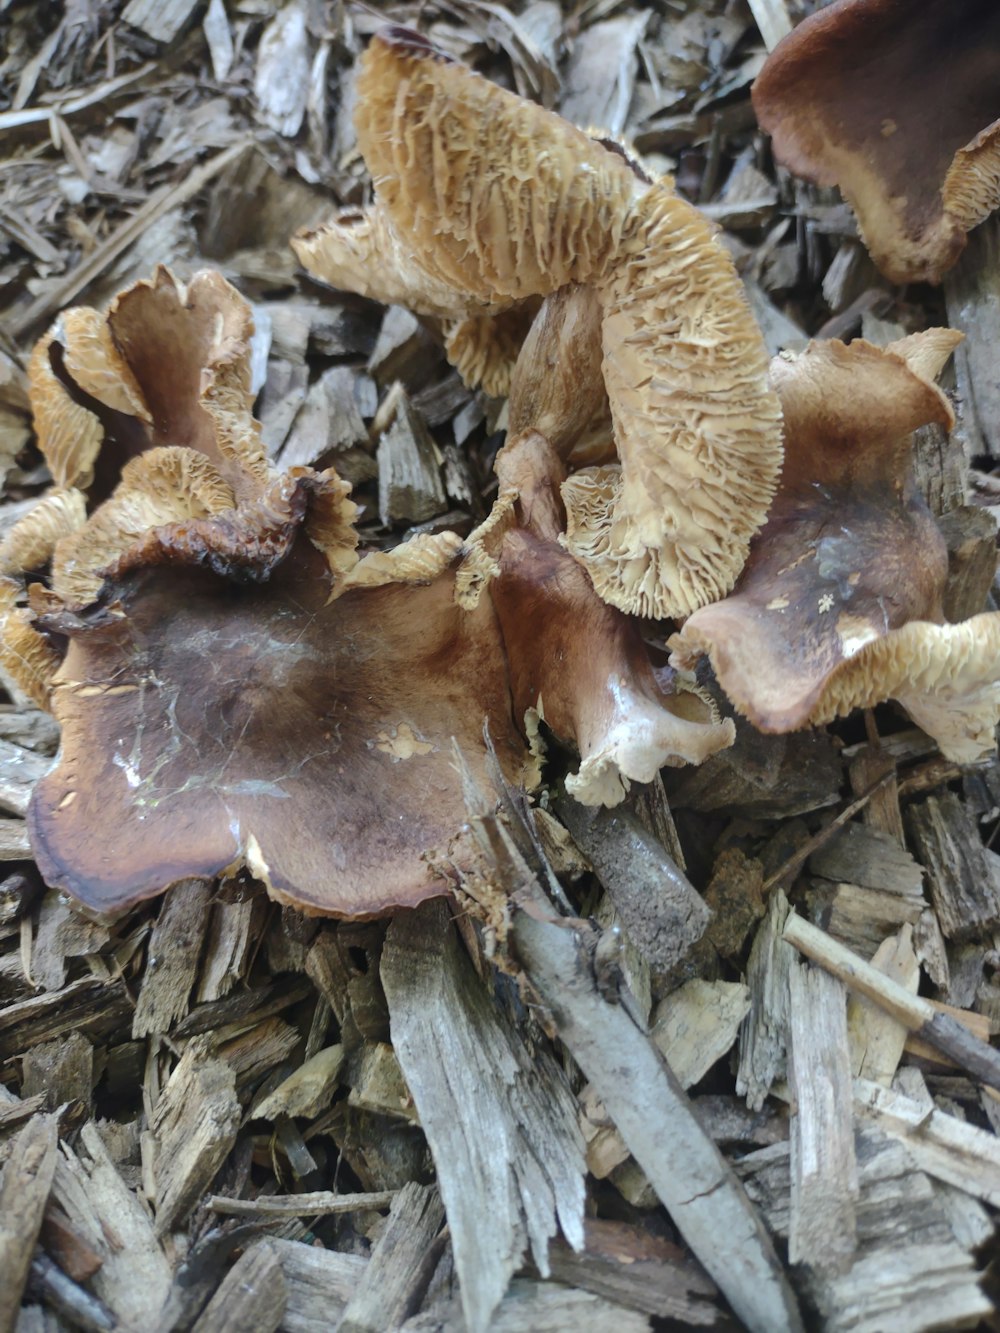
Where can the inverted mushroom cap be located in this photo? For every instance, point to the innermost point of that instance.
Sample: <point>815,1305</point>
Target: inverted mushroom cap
<point>850,551</point>
<point>898,104</point>
<point>504,200</point>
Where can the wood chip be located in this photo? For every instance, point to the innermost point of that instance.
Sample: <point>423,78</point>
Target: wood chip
<point>689,1174</point>
<point>173,956</point>
<point>822,1230</point>
<point>194,1126</point>
<point>401,1265</point>
<point>27,1179</point>
<point>509,1162</point>
<point>162,20</point>
<point>251,1297</point>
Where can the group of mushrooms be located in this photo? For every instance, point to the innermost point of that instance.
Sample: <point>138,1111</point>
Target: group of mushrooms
<point>236,684</point>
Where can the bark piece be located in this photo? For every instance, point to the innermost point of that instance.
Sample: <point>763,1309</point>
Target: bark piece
<point>659,908</point>
<point>972,297</point>
<point>24,1190</point>
<point>823,1231</point>
<point>134,1276</point>
<point>687,1171</point>
<point>401,1265</point>
<point>501,1122</point>
<point>628,1265</point>
<point>172,961</point>
<point>963,885</point>
<point>195,1126</point>
<point>63,1069</point>
<point>319,1284</point>
<point>971,536</point>
<point>250,1298</point>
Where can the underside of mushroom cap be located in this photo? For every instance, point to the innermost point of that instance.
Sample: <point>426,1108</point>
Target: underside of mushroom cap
<point>211,722</point>
<point>697,426</point>
<point>850,551</point>
<point>496,196</point>
<point>947,677</point>
<point>898,104</point>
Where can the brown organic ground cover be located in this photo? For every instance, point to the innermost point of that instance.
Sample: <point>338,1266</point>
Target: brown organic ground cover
<point>217,1113</point>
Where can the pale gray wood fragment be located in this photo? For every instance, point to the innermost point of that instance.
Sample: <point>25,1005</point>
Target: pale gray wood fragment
<point>134,1277</point>
<point>963,888</point>
<point>409,470</point>
<point>20,769</point>
<point>764,1039</point>
<point>160,19</point>
<point>972,298</point>
<point>281,80</point>
<point>857,854</point>
<point>251,1297</point>
<point>824,1172</point>
<point>500,1120</point>
<point>401,1265</point>
<point>172,957</point>
<point>537,1307</point>
<point>657,1122</point>
<point>24,1191</point>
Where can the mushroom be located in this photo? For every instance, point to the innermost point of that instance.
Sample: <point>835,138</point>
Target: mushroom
<point>840,603</point>
<point>235,685</point>
<point>897,104</point>
<point>576,663</point>
<point>483,194</point>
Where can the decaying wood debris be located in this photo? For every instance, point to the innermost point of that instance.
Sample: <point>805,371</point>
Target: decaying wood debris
<point>722,1056</point>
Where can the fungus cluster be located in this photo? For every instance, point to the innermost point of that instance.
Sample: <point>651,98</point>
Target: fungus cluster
<point>238,684</point>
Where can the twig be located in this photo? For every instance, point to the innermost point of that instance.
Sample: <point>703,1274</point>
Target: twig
<point>321,1202</point>
<point>916,1014</point>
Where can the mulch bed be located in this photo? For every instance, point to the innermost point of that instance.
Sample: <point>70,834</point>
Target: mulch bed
<point>217,1113</point>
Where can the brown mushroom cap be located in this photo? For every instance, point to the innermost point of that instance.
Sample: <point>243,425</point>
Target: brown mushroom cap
<point>898,104</point>
<point>850,551</point>
<point>210,722</point>
<point>503,200</point>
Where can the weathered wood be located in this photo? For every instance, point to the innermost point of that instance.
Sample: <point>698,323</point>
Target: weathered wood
<point>90,1006</point>
<point>688,1172</point>
<point>20,769</point>
<point>62,1069</point>
<point>160,19</point>
<point>861,855</point>
<point>62,933</point>
<point>134,1276</point>
<point>318,1285</point>
<point>876,1038</point>
<point>194,1126</point>
<point>250,1298</point>
<point>735,898</point>
<point>627,1265</point>
<point>661,911</point>
<point>697,1024</point>
<point>307,1091</point>
<point>971,537</point>
<point>172,958</point>
<point>823,1228</point>
<point>233,927</point>
<point>972,298</point>
<point>401,1265</point>
<point>319,1203</point>
<point>963,886</point>
<point>409,469</point>
<point>67,1298</point>
<point>764,1039</point>
<point>24,1191</point>
<point>537,1307</point>
<point>500,1120</point>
